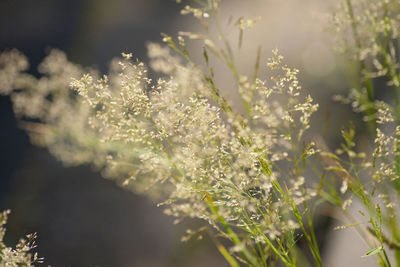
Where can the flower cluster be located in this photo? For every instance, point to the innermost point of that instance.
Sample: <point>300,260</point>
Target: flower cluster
<point>20,255</point>
<point>177,139</point>
<point>170,136</point>
<point>368,31</point>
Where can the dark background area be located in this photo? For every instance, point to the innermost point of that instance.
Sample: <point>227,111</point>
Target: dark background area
<point>82,219</point>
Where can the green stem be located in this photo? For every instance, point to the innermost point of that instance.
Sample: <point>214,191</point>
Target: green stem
<point>224,252</point>
<point>366,81</point>
<point>235,239</point>
<point>313,247</point>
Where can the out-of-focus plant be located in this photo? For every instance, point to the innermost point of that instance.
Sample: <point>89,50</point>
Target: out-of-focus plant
<point>254,176</point>
<point>368,31</point>
<point>20,255</point>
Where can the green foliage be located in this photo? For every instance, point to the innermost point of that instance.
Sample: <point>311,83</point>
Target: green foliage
<point>254,177</point>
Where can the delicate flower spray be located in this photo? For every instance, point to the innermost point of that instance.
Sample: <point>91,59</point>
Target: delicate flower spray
<point>254,176</point>
<point>368,33</point>
<point>20,255</point>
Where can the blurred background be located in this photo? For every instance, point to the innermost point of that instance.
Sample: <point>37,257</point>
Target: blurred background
<point>85,220</point>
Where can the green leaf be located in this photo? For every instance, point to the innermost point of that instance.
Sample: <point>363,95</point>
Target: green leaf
<point>373,251</point>
<point>329,155</point>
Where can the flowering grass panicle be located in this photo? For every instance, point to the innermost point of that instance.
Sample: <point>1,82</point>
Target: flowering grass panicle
<point>369,33</point>
<point>369,30</point>
<point>20,255</point>
<point>251,174</point>
<point>170,137</point>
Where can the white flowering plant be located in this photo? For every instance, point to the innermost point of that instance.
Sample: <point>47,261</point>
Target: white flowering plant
<point>368,32</point>
<point>20,255</point>
<point>253,174</point>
